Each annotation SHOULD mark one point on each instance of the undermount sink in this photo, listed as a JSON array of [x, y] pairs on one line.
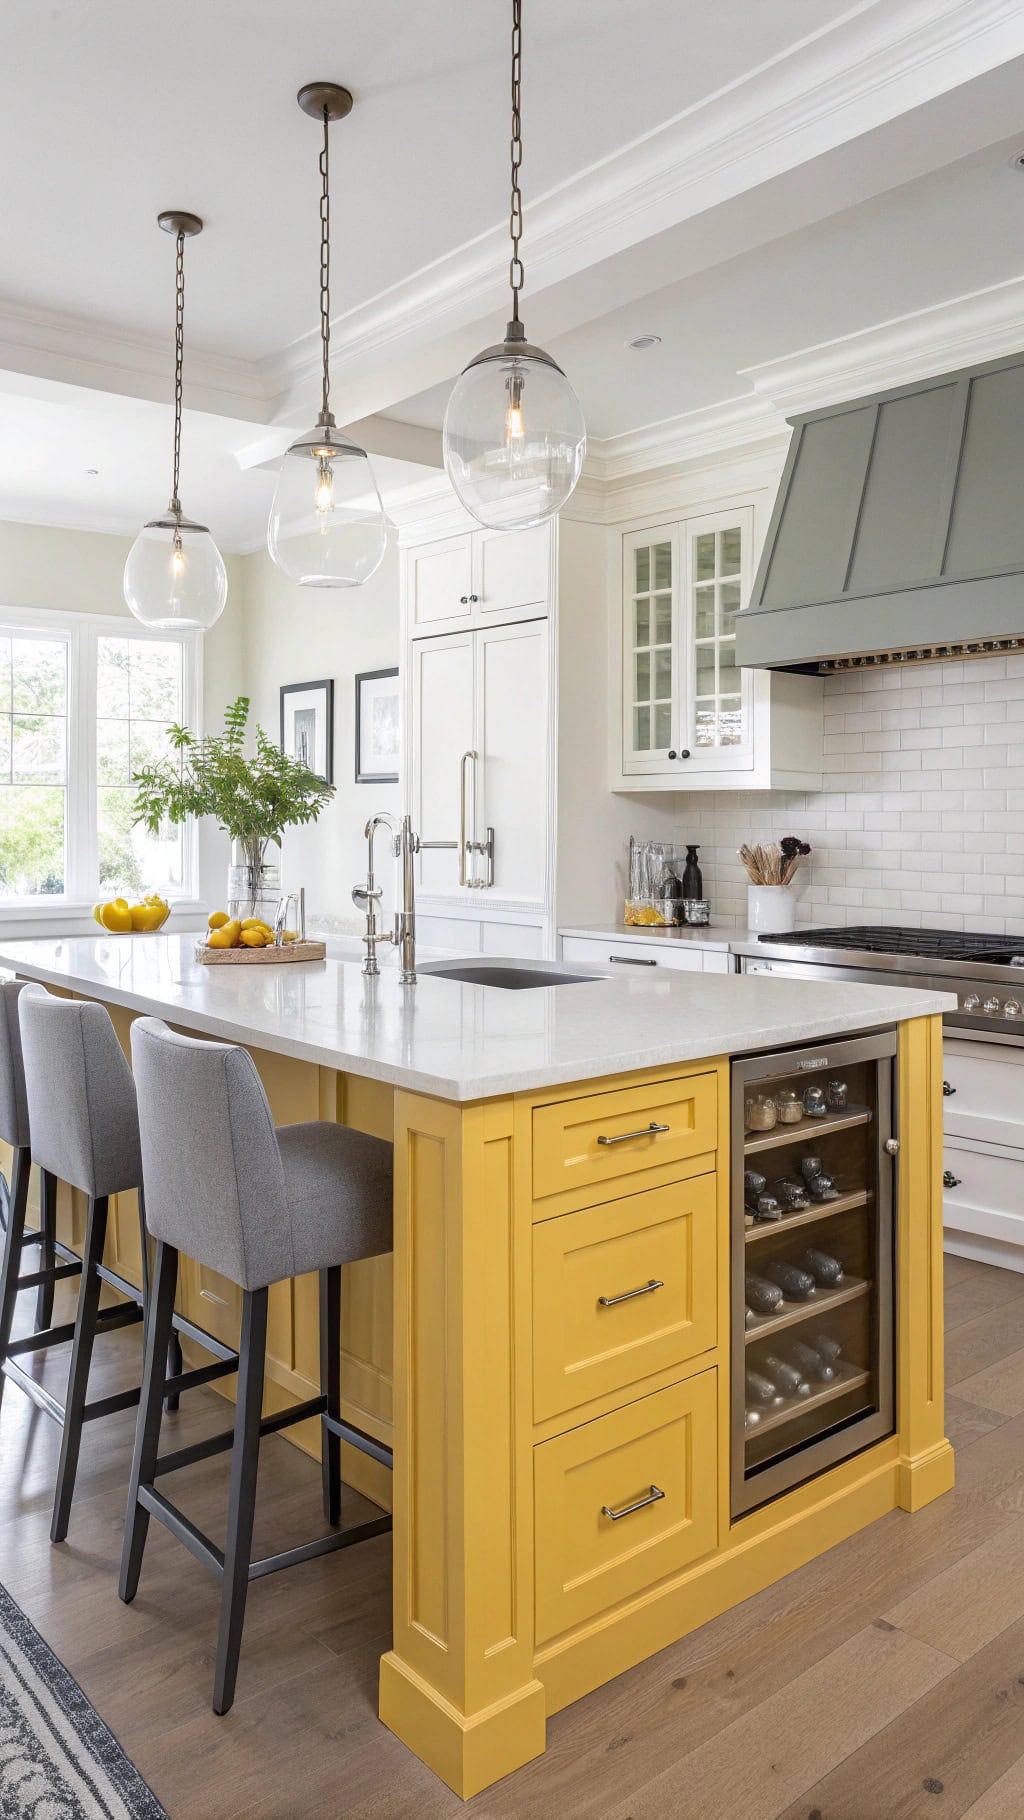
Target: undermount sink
[[510, 976]]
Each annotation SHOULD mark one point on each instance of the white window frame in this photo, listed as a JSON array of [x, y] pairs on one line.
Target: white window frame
[[82, 631]]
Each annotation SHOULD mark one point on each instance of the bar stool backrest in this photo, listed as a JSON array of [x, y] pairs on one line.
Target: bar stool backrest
[[212, 1168], [81, 1096], [13, 1100]]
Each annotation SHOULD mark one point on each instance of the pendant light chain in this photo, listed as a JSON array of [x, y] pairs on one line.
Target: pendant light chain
[[515, 220], [179, 355], [325, 269]]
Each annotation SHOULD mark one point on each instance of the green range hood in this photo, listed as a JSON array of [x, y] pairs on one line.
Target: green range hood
[[898, 532]]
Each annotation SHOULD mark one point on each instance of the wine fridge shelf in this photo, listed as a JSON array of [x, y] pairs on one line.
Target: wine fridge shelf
[[816, 1128], [821, 1210], [813, 1309], [848, 1377]]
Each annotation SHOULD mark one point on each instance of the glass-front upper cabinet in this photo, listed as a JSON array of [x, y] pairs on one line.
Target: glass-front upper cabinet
[[686, 706]]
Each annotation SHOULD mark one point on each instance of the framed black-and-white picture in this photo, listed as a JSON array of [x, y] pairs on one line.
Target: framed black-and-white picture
[[307, 725], [377, 727]]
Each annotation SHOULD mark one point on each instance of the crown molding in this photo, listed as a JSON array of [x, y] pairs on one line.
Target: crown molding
[[53, 348], [691, 437], [876, 62], [964, 331]]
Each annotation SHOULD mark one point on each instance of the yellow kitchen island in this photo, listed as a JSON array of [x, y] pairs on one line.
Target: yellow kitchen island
[[559, 1153]]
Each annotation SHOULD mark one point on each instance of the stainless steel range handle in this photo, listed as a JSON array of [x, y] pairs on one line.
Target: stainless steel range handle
[[464, 836], [626, 1510], [627, 1295], [650, 1130]]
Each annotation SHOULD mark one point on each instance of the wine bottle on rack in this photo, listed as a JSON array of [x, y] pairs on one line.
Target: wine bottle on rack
[[789, 1378], [761, 1390], [796, 1284], [762, 1296], [830, 1349], [791, 1196], [810, 1362], [820, 1184], [824, 1268]]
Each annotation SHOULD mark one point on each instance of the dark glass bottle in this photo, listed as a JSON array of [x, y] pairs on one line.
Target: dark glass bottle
[[693, 883]]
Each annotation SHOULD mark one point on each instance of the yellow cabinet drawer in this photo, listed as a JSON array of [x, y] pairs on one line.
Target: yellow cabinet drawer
[[602, 1137], [602, 1532], [621, 1291]]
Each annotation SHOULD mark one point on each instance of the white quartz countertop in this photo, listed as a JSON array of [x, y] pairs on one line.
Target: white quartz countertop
[[461, 1042], [715, 936]]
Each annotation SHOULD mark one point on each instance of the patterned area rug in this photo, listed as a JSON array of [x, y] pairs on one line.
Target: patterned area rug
[[58, 1761]]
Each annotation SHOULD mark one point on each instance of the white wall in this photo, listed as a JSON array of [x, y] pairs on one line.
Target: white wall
[[81, 572], [294, 634], [921, 819]]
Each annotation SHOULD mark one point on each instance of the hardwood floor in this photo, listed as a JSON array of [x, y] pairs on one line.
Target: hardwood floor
[[884, 1681]]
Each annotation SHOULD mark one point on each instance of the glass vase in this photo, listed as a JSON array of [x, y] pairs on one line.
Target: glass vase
[[254, 882]]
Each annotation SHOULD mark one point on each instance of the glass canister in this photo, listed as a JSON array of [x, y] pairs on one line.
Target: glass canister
[[837, 1095], [760, 1113], [789, 1105], [815, 1103]]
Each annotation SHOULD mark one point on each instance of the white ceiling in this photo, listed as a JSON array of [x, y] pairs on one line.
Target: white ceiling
[[744, 177], [141, 107]]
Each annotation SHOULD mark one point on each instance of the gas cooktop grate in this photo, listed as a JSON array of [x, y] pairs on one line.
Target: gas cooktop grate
[[925, 944]]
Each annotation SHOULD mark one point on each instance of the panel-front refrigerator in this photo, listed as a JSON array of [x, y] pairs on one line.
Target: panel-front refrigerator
[[814, 1154]]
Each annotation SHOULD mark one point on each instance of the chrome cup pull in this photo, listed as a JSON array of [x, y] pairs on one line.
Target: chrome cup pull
[[626, 1510], [648, 1288], [651, 1130]]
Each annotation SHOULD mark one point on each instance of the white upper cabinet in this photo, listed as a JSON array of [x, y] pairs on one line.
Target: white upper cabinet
[[478, 578], [689, 718]]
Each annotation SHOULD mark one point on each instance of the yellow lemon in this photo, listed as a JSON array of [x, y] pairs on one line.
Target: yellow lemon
[[116, 917], [253, 938], [219, 938], [149, 917], [217, 919], [289, 935], [97, 914], [255, 922], [232, 929]]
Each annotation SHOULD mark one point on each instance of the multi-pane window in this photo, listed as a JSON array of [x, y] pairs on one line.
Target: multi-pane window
[[652, 653], [83, 703], [33, 765], [717, 561], [138, 697]]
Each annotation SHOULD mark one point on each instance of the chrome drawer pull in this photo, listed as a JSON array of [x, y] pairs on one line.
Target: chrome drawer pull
[[627, 1509], [949, 1180], [947, 1090], [650, 1130], [609, 1301], [632, 960]]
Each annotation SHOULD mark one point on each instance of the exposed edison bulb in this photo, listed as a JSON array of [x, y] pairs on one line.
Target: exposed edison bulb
[[177, 556], [325, 486], [515, 428]]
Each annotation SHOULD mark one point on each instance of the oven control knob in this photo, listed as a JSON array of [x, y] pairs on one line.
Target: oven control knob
[[971, 1002], [1012, 1008], [992, 1005]]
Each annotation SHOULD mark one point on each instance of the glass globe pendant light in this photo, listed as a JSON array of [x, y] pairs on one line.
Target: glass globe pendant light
[[327, 527], [175, 579], [514, 435]]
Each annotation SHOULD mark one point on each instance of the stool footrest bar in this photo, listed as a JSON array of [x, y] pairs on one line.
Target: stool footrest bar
[[219, 1348], [325, 1545], [357, 1437], [119, 1314], [47, 1336], [52, 1275], [40, 1397], [285, 1418], [175, 1520], [203, 1374], [197, 1450], [131, 1290], [109, 1406]]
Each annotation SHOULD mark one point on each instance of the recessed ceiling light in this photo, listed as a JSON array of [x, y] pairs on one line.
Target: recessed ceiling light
[[92, 470], [644, 341], [1017, 161]]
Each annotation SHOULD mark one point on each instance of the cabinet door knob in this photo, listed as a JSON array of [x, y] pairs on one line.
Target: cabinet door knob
[[474, 597], [947, 1090], [463, 600], [672, 753], [684, 753], [949, 1180]]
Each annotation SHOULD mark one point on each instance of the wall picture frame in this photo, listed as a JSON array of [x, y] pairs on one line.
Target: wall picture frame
[[378, 727], [307, 725]]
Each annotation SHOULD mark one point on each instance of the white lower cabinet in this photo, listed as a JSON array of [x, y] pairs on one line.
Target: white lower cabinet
[[983, 1154], [593, 951]]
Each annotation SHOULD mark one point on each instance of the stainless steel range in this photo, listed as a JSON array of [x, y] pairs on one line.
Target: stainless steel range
[[985, 971]]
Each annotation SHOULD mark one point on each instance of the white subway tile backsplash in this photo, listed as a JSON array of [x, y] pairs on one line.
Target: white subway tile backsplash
[[920, 820]]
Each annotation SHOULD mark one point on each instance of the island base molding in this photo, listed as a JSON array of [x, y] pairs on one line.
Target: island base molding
[[469, 1752]]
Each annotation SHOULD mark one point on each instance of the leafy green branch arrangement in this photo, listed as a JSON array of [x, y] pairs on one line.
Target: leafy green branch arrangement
[[252, 797]]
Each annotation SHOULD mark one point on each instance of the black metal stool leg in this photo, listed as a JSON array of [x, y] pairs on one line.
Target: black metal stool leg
[[81, 1357], [245, 1458], [330, 1387], [10, 1268], [47, 1255], [174, 1358], [147, 1433]]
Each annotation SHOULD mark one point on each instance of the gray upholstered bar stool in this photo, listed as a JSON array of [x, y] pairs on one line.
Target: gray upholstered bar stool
[[14, 1130], [259, 1206], [84, 1130]]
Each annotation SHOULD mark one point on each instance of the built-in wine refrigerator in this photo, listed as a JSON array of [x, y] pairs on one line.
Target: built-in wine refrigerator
[[814, 1156]]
